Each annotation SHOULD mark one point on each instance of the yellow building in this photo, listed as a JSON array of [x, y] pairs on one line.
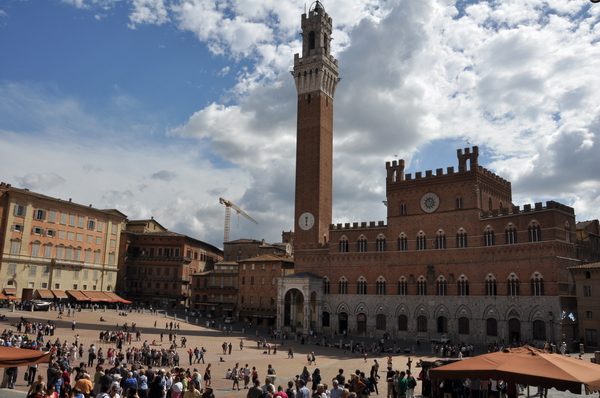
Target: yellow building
[[52, 248]]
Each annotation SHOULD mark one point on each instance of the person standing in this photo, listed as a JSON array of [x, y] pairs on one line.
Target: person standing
[[235, 376], [192, 392], [246, 376], [31, 374], [336, 391], [412, 383], [85, 385], [12, 374], [91, 356], [402, 385], [255, 391], [303, 391], [389, 377]]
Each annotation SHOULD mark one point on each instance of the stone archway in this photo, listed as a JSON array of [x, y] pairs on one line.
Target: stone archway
[[514, 329], [343, 322], [293, 309]]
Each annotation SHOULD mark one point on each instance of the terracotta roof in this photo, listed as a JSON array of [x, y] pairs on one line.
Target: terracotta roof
[[27, 192], [245, 240], [266, 257], [583, 224], [586, 266]]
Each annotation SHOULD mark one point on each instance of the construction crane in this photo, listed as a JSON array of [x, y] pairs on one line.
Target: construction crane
[[228, 207]]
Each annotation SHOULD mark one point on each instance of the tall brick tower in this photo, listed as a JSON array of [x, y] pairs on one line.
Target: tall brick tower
[[316, 76]]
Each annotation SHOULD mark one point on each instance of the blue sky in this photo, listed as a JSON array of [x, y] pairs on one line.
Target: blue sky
[[159, 107]]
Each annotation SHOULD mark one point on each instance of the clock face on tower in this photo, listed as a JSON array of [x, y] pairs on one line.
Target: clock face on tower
[[306, 221], [430, 202]]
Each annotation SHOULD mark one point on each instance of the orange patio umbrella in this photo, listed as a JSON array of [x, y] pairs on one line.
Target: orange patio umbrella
[[526, 365], [10, 356]]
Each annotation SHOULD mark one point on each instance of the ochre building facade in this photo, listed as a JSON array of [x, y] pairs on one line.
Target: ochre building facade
[[54, 249]]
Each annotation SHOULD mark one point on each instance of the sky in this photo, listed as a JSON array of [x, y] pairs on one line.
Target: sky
[[159, 107]]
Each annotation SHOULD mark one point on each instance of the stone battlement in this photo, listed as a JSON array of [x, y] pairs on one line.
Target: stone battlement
[[538, 206], [467, 161], [356, 225]]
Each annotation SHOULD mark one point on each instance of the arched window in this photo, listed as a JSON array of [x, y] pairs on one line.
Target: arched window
[[402, 242], [380, 322], [343, 285], [402, 323], [421, 323], [402, 286], [463, 325], [539, 330], [442, 324], [441, 286], [491, 286], [463, 286], [361, 286], [513, 285], [535, 232], [326, 286], [421, 241], [380, 243], [325, 319], [362, 244], [422, 286], [380, 286], [567, 232], [311, 40], [343, 245], [440, 240], [511, 234], [459, 202], [488, 236], [537, 285], [490, 207], [491, 327], [461, 238]]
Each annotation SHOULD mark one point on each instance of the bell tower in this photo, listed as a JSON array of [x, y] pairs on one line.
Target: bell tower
[[316, 77]]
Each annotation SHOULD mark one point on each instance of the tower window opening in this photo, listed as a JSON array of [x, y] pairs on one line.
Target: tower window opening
[[311, 40]]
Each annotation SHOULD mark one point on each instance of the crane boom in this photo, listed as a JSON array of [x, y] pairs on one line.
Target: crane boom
[[228, 207]]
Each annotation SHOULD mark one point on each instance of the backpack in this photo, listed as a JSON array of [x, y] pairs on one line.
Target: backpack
[[264, 395], [412, 383]]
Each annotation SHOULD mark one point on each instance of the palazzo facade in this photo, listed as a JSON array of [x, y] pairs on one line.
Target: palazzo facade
[[454, 255]]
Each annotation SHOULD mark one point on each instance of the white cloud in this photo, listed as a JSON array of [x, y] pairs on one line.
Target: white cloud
[[224, 71], [43, 181], [148, 12], [517, 78]]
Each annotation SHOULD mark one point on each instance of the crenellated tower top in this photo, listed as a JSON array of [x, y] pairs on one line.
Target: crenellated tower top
[[316, 70]]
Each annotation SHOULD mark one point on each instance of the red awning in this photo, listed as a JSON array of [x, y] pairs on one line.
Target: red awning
[[45, 294], [96, 296], [3, 297], [115, 298], [77, 295], [10, 290], [60, 294]]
